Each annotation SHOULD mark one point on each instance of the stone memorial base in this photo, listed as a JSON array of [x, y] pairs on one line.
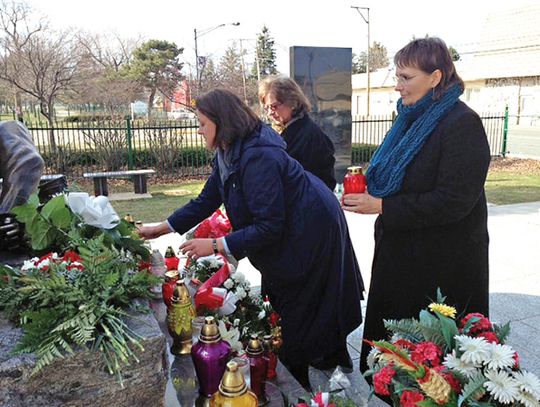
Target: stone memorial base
[[81, 379]]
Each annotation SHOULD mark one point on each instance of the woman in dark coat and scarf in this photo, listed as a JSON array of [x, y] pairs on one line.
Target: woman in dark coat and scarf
[[288, 107], [426, 182], [286, 221]]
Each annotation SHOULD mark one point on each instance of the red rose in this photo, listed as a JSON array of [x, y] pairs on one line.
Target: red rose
[[382, 379], [274, 318], [427, 352], [410, 398]]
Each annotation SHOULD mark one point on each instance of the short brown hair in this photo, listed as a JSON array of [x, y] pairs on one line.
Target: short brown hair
[[286, 91], [233, 118], [429, 54]]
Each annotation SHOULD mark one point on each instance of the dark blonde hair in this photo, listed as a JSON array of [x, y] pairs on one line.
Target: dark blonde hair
[[429, 54], [233, 118], [285, 91]]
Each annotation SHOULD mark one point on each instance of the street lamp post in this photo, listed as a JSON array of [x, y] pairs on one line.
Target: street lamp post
[[366, 20], [196, 35]]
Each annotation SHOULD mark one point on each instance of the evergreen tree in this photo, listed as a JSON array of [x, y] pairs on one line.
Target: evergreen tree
[[265, 55], [156, 66]]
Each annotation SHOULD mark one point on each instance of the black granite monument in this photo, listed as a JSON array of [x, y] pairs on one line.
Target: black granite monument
[[324, 74]]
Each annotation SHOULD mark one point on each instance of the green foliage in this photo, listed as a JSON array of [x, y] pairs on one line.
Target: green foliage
[[472, 389], [61, 308], [378, 58], [362, 153], [54, 227], [265, 55], [407, 328]]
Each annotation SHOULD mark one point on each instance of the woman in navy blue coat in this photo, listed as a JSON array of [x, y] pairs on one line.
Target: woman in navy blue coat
[[286, 221]]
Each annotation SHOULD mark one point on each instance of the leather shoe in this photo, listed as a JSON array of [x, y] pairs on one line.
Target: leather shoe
[[341, 358]]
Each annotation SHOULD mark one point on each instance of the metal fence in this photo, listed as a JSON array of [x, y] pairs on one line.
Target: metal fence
[[175, 149], [368, 133]]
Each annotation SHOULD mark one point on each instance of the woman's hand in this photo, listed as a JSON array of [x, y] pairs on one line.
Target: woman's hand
[[197, 248], [362, 203], [153, 232]]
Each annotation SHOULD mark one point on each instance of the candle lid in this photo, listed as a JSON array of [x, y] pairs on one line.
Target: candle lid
[[354, 170], [233, 383], [180, 293], [254, 346], [209, 331], [169, 252]]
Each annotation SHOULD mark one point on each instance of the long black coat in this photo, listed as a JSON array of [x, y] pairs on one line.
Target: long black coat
[[311, 147], [433, 232], [292, 229]]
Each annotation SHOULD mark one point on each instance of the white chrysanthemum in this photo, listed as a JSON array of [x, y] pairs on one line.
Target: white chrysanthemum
[[475, 350], [501, 356], [528, 382], [238, 277], [241, 293], [501, 386], [452, 362], [372, 357], [261, 315], [527, 399], [228, 284]]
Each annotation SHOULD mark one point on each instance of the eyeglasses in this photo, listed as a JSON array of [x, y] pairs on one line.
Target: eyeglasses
[[272, 107], [404, 79]]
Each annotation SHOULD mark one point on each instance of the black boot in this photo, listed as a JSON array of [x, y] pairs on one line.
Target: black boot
[[340, 357]]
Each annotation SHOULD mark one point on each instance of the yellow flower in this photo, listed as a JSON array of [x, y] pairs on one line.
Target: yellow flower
[[443, 309]]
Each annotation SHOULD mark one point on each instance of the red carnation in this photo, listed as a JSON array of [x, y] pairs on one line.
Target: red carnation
[[144, 265], [410, 398], [427, 352], [489, 336], [483, 324], [382, 379]]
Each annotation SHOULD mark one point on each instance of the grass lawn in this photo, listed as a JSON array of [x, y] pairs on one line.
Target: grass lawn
[[509, 181], [512, 180]]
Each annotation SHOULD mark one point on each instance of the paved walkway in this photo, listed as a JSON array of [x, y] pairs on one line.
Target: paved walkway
[[514, 282]]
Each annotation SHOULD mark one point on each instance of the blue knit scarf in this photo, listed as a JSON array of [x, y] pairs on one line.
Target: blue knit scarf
[[404, 140]]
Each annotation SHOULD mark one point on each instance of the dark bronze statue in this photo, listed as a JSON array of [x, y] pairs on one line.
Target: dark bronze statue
[[20, 168]]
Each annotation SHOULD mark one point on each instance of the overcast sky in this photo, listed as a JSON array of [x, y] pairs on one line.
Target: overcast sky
[[291, 22]]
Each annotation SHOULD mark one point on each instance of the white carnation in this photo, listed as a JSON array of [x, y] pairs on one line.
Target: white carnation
[[228, 284], [29, 264], [238, 277], [241, 293]]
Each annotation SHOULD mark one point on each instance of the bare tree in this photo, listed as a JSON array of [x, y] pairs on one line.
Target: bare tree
[[101, 79], [16, 28], [39, 62]]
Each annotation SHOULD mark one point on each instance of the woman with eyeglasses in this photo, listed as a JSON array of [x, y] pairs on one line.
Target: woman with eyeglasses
[[288, 107], [426, 182], [286, 221]]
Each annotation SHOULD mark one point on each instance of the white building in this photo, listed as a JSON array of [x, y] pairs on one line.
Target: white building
[[504, 69]]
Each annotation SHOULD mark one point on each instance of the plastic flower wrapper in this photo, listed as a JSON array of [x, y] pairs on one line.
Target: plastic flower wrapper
[[95, 211], [338, 381], [216, 225]]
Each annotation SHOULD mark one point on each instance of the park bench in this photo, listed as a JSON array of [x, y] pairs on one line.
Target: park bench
[[100, 180]]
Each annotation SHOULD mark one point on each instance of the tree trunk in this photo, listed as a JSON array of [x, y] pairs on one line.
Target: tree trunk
[[18, 106], [151, 102]]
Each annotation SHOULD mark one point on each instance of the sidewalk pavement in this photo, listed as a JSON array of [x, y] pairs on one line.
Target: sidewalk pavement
[[514, 283]]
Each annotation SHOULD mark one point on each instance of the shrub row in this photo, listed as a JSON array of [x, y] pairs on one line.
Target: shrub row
[[189, 156]]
